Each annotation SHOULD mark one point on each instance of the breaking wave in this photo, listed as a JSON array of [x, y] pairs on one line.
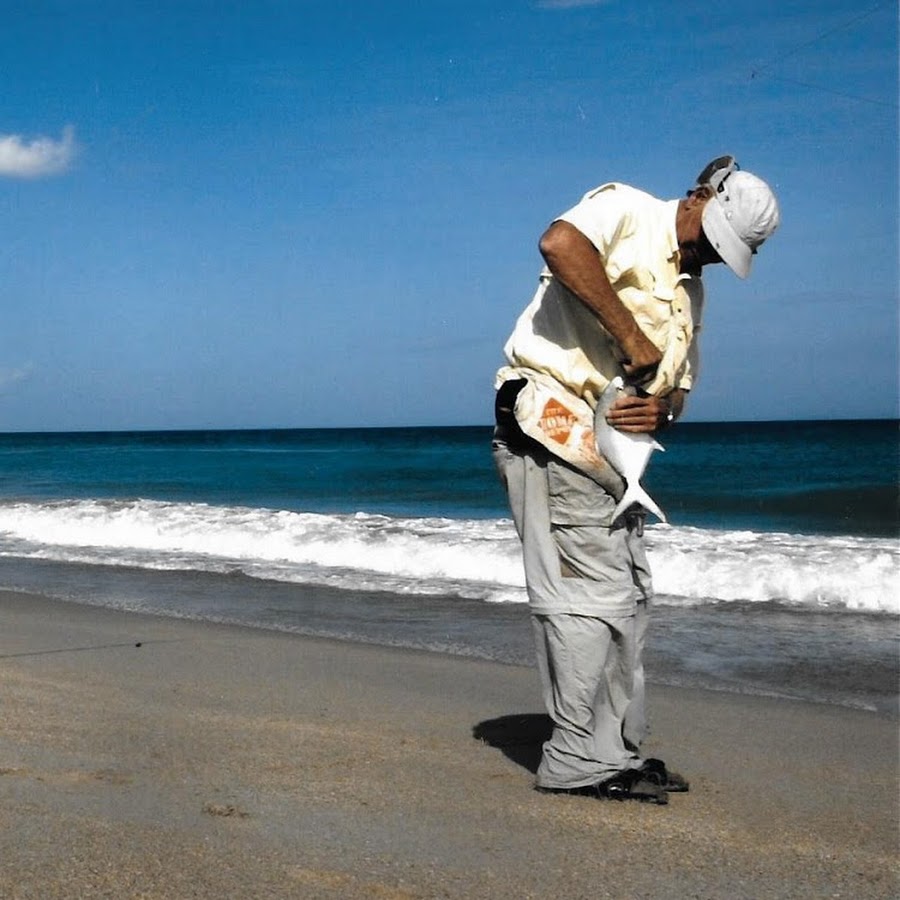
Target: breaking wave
[[475, 559]]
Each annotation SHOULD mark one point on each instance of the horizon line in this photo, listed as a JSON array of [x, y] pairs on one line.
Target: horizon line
[[252, 428]]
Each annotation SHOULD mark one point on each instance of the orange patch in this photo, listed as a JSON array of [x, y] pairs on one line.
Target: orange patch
[[556, 421]]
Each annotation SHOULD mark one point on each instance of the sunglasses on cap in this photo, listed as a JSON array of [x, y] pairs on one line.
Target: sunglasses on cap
[[716, 173]]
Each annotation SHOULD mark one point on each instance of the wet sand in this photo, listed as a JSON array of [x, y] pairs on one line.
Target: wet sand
[[158, 758]]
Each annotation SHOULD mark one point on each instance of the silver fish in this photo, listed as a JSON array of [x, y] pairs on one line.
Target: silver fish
[[626, 453]]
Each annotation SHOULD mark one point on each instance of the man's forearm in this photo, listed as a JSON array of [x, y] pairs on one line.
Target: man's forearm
[[574, 260], [676, 400]]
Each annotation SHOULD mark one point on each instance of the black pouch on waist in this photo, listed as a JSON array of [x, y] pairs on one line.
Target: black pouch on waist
[[508, 429]]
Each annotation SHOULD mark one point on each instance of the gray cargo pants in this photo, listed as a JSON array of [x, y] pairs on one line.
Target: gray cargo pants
[[588, 585]]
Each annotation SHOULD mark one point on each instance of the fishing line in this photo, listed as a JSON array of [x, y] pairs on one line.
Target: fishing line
[[83, 649], [844, 94], [849, 23]]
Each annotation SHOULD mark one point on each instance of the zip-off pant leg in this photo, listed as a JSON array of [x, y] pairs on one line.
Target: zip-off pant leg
[[587, 668]]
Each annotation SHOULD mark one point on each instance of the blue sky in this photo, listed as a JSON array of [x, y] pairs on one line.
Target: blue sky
[[303, 214]]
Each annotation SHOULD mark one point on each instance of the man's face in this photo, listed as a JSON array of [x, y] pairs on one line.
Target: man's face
[[696, 250]]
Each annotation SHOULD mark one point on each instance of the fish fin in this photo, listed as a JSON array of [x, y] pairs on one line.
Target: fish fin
[[638, 495]]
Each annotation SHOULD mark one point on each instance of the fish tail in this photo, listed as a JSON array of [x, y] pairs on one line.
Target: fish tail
[[637, 495]]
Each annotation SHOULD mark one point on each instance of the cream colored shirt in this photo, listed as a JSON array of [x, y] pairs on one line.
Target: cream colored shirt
[[558, 336]]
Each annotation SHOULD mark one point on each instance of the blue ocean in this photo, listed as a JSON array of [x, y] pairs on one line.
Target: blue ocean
[[777, 573]]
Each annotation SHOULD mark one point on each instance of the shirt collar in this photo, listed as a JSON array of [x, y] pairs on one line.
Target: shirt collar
[[672, 239], [671, 233]]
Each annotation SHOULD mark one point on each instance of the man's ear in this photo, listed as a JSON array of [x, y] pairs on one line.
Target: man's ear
[[701, 193]]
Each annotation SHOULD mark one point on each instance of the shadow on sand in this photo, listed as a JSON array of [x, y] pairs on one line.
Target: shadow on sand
[[518, 737]]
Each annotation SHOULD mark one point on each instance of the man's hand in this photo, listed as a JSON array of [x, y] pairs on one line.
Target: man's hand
[[641, 360], [644, 415]]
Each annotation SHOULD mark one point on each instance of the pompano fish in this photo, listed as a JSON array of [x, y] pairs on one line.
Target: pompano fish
[[626, 453]]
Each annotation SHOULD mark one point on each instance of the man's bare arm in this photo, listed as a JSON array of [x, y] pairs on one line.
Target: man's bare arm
[[574, 260]]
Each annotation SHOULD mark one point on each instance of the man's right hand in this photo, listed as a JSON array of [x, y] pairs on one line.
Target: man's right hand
[[641, 360]]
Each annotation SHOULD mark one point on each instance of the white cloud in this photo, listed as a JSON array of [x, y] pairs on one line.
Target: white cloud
[[9, 377], [571, 4], [37, 158]]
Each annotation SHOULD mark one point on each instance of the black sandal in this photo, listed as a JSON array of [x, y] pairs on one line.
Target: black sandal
[[655, 770], [632, 784]]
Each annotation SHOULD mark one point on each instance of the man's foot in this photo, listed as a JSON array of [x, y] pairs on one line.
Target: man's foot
[[630, 784], [655, 770]]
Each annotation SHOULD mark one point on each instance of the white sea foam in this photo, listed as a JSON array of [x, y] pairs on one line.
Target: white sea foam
[[477, 559]]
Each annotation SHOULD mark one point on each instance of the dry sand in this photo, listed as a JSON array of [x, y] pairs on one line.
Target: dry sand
[[150, 757]]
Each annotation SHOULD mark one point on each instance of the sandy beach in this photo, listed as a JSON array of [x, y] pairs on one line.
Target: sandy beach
[[160, 758]]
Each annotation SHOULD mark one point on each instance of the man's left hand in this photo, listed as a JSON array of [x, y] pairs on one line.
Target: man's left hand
[[639, 415]]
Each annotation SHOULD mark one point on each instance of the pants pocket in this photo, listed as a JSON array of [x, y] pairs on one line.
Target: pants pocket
[[575, 499]]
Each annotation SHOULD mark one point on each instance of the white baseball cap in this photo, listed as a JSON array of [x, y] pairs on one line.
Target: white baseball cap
[[742, 213]]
